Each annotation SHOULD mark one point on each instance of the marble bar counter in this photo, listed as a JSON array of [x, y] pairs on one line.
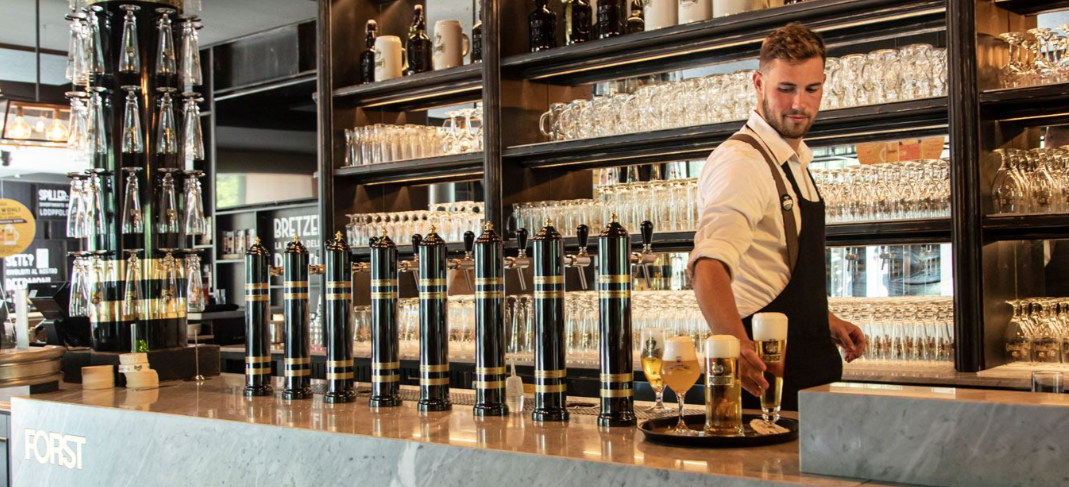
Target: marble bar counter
[[186, 433]]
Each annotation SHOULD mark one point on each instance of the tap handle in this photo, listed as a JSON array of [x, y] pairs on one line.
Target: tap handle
[[372, 241], [647, 233], [469, 241], [582, 232], [416, 240], [521, 239]]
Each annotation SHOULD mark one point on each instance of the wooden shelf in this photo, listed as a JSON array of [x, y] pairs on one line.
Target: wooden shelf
[[458, 166], [1033, 105], [424, 90], [848, 125], [1025, 227], [1030, 7], [735, 37], [888, 232]]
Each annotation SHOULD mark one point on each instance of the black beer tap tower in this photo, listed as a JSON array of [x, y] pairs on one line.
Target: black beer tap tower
[[433, 325], [257, 314], [385, 343], [339, 336], [614, 324], [298, 360], [489, 381], [550, 370]]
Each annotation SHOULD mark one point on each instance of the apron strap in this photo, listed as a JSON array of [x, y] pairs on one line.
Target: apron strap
[[790, 226]]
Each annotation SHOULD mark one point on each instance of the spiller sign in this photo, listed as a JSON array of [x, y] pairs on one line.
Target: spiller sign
[[49, 448]]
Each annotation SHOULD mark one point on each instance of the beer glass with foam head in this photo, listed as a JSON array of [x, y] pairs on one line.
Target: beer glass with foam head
[[723, 387], [770, 339], [679, 371]]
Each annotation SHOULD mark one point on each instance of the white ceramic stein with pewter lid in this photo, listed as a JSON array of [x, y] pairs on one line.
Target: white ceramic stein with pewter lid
[[661, 13], [450, 44], [389, 58]]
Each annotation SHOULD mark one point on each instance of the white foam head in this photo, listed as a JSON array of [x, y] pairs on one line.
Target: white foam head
[[769, 326], [722, 346], [679, 349]]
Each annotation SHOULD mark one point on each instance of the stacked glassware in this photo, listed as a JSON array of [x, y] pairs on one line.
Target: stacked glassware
[[381, 143], [890, 191], [917, 330], [450, 220], [1031, 181]]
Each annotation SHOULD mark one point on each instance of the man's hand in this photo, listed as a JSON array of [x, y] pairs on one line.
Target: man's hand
[[848, 336], [751, 368]]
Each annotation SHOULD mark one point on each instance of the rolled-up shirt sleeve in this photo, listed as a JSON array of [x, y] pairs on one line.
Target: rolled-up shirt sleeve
[[732, 199]]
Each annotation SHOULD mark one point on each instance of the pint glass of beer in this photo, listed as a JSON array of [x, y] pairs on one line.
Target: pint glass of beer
[[723, 387], [770, 339]]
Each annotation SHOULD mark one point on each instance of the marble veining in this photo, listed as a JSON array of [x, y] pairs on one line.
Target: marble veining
[[935, 436], [209, 433]]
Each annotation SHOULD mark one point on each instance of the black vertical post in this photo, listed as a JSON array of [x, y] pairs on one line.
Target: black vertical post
[[385, 342], [325, 126], [489, 381], [966, 207], [433, 325], [339, 330], [614, 325], [492, 163], [298, 359], [257, 314], [551, 373]]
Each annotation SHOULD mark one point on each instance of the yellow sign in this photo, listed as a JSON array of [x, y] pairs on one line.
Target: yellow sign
[[17, 227]]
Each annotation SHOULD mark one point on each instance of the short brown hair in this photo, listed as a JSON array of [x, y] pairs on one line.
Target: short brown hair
[[794, 43]]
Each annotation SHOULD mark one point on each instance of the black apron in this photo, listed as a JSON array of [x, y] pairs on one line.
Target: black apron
[[812, 357]]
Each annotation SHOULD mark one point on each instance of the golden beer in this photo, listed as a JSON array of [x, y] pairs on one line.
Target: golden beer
[[680, 375], [651, 366], [770, 343], [723, 387], [680, 370]]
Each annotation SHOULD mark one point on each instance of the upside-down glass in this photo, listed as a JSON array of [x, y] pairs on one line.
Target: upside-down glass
[[680, 370], [876, 192], [130, 54], [97, 127], [192, 135], [99, 218], [167, 211], [79, 300], [76, 209], [195, 223], [78, 137], [190, 72], [917, 330], [167, 131], [133, 140], [133, 221], [97, 62], [194, 284], [166, 61], [132, 297]]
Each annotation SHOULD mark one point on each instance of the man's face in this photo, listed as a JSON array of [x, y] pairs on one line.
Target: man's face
[[789, 95]]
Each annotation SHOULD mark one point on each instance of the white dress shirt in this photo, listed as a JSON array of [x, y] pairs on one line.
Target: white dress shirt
[[741, 220]]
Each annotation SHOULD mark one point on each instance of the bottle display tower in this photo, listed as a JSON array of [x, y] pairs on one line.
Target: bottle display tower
[[135, 70]]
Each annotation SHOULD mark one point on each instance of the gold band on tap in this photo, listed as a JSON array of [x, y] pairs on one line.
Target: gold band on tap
[[489, 370], [257, 286], [617, 392], [551, 388], [169, 3], [549, 294], [257, 371], [339, 284], [624, 377], [615, 294], [434, 368], [551, 374], [385, 365], [385, 379], [549, 280], [340, 363], [337, 297], [339, 375], [432, 282], [299, 361], [435, 295], [384, 282], [291, 296], [257, 297], [295, 284], [258, 360], [495, 384], [434, 382], [488, 281], [614, 279], [297, 373]]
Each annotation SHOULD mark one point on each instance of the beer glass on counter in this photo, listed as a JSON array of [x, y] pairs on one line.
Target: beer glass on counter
[[723, 387], [770, 340], [652, 353], [679, 371]]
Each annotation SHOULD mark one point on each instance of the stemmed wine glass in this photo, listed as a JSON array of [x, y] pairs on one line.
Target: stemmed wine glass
[[652, 353], [680, 370]]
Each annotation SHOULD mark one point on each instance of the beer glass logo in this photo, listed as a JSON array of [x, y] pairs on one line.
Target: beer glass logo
[[379, 61], [438, 45], [718, 369]]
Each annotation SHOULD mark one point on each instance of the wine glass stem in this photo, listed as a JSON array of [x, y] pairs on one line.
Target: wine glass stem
[[660, 399], [681, 425]]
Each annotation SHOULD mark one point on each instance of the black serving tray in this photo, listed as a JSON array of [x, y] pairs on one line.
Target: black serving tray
[[656, 430]]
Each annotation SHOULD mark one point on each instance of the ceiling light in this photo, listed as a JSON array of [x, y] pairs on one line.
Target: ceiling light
[[19, 129]]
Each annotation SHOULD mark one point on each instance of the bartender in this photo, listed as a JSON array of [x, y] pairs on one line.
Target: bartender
[[759, 246]]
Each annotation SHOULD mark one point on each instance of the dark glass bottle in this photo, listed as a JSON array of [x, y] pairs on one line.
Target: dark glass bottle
[[367, 57], [580, 18], [543, 27], [419, 45], [635, 21], [477, 39], [609, 19]]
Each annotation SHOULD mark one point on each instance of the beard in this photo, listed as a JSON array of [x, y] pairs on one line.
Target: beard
[[786, 128]]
